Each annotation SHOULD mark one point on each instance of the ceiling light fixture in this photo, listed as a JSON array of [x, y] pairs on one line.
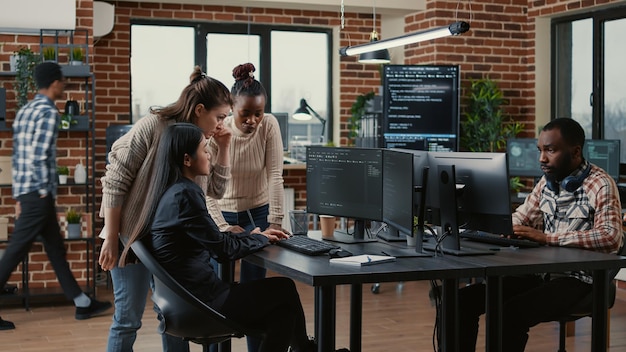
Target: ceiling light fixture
[[378, 56], [455, 28]]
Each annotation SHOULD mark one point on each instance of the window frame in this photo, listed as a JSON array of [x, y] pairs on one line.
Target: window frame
[[598, 17], [202, 29]]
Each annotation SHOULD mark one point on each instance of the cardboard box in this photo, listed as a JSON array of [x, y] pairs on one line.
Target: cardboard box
[[5, 170]]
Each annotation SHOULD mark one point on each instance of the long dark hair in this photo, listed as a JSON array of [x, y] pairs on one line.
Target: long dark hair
[[176, 141], [202, 89]]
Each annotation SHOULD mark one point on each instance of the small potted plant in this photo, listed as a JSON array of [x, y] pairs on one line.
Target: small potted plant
[[63, 172], [77, 56], [49, 53], [23, 62], [73, 223]]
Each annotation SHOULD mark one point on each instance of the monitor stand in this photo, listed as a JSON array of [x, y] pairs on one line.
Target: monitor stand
[[392, 236], [451, 243], [358, 235]]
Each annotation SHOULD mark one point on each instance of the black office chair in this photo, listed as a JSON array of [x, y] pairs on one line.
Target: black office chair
[[184, 315], [584, 307]]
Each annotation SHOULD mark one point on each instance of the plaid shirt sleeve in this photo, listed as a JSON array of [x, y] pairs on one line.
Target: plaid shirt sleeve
[[529, 213], [43, 142]]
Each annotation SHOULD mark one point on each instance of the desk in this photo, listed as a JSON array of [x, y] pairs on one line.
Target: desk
[[547, 259], [317, 271]]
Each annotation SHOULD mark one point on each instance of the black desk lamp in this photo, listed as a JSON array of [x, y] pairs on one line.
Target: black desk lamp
[[303, 113]]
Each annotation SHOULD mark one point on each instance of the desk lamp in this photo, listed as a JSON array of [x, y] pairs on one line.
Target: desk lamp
[[303, 113]]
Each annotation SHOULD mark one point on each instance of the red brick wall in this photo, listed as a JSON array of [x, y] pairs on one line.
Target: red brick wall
[[70, 151], [499, 45]]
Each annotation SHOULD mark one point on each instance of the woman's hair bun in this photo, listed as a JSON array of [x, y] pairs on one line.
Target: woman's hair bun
[[244, 72]]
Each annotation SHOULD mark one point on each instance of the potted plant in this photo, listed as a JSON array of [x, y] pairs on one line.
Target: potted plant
[[76, 56], [67, 121], [356, 114], [486, 128], [25, 61], [73, 223], [49, 53], [63, 172]]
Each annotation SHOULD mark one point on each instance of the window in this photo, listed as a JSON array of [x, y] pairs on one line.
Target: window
[[292, 63], [589, 73], [160, 64]]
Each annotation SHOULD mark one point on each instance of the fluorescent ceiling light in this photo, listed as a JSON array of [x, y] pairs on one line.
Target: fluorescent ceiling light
[[455, 28]]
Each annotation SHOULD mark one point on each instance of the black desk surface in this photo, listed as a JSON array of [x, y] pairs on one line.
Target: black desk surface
[[318, 271], [545, 259]]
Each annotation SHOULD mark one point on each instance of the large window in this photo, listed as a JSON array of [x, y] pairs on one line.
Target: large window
[[590, 73], [293, 63]]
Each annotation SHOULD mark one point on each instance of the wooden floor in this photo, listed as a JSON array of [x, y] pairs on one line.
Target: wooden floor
[[399, 320]]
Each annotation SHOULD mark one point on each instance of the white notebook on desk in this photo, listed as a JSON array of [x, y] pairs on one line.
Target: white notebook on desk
[[364, 259]]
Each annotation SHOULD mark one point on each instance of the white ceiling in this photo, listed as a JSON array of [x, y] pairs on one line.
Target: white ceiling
[[397, 7]]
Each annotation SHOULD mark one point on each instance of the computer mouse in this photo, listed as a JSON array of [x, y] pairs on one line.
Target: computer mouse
[[339, 253]]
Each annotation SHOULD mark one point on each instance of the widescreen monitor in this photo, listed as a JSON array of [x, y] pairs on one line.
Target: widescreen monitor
[[421, 107], [478, 197], [523, 157], [604, 153], [398, 191], [345, 182]]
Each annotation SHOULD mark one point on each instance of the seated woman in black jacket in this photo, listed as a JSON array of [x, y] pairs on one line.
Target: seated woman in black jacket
[[183, 237]]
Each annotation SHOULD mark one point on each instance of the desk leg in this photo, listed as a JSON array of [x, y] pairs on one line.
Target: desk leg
[[356, 317], [599, 313], [325, 318], [493, 314], [449, 312]]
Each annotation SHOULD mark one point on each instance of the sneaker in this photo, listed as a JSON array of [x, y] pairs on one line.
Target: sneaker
[[95, 308], [6, 325]]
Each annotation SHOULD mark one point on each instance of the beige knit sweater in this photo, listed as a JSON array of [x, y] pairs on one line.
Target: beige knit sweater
[[256, 172], [127, 176]]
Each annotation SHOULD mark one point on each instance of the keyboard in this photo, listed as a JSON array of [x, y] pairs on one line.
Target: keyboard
[[490, 238], [307, 245]]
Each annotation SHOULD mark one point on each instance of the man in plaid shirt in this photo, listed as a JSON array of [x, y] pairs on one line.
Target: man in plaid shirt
[[35, 131], [575, 204]]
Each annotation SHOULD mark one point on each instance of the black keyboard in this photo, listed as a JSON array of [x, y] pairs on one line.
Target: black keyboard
[[307, 245], [486, 237]]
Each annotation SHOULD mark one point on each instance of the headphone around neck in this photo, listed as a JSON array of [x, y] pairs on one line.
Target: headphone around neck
[[570, 183]]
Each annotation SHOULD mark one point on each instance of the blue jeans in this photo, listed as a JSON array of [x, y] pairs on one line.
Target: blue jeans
[[130, 288]]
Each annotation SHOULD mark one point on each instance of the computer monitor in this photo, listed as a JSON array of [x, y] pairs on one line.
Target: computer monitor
[[398, 197], [604, 153], [405, 175], [468, 190], [345, 182], [283, 123], [523, 157], [421, 107]]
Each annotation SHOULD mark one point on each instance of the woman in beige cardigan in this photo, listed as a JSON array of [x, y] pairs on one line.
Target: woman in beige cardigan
[[205, 102], [254, 196]]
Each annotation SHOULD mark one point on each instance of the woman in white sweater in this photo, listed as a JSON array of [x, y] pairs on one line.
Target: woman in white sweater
[[254, 195]]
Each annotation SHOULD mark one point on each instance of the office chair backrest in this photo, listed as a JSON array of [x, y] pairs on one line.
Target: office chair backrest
[[183, 314]]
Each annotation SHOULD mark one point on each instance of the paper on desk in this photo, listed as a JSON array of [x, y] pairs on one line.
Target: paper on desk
[[364, 259]]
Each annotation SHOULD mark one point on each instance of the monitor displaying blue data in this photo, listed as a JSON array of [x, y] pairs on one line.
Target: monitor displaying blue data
[[604, 153], [523, 157]]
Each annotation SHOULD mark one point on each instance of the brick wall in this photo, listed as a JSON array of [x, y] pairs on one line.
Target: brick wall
[[499, 45], [70, 151]]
